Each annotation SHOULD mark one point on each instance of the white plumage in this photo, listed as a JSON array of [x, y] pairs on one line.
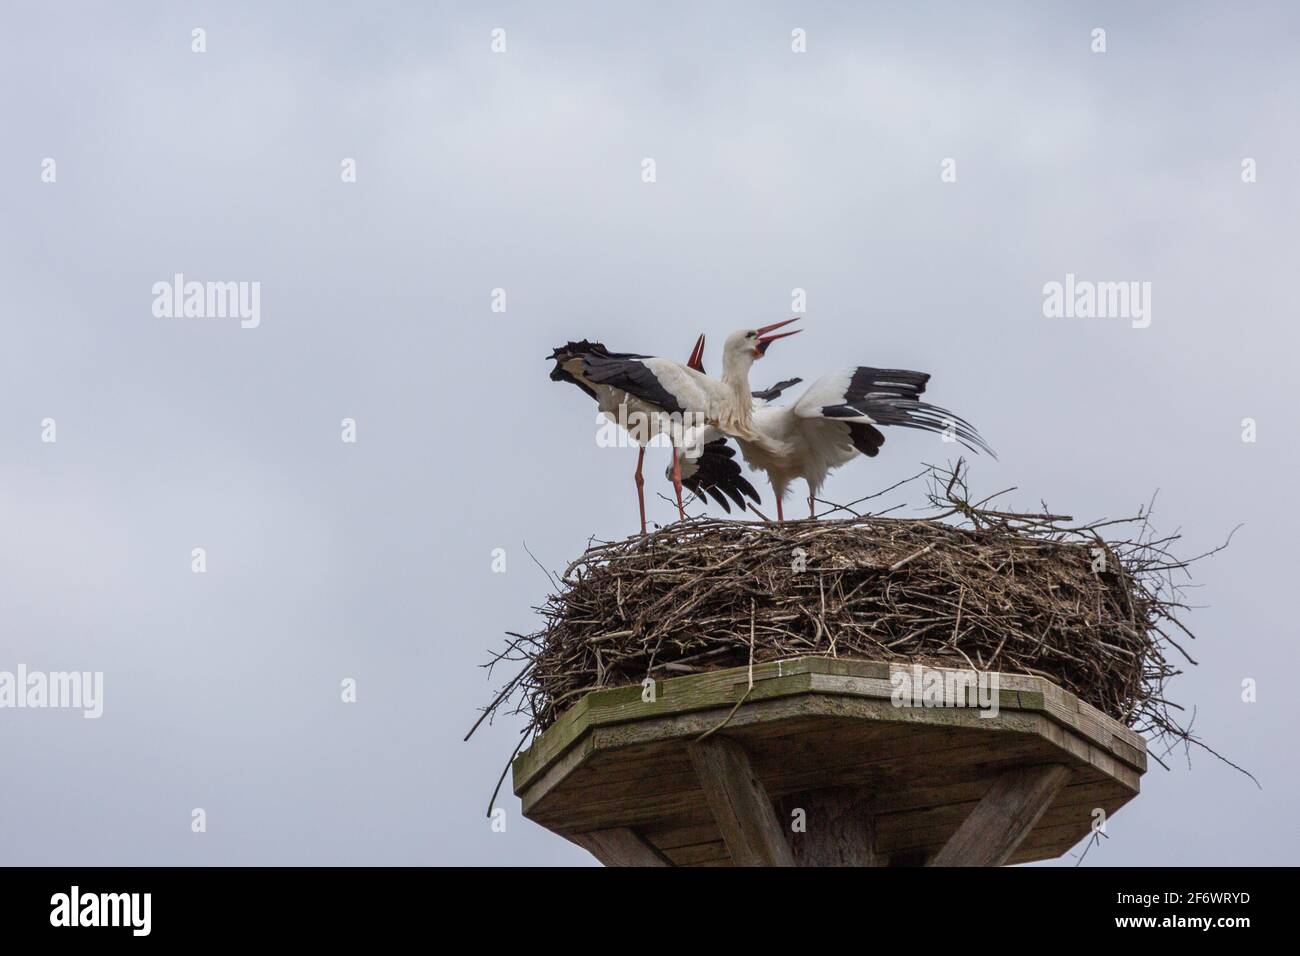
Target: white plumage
[[833, 421], [645, 411]]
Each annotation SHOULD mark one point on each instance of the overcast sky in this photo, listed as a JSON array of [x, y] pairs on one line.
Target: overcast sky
[[522, 171]]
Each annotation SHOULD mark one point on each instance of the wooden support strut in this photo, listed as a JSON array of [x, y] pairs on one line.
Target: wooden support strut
[[619, 846], [1004, 817], [740, 805], [840, 827]]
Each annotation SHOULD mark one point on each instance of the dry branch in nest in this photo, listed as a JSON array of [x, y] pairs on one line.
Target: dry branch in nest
[[1093, 607]]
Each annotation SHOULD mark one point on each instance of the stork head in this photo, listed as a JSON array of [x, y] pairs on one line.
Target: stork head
[[744, 347]]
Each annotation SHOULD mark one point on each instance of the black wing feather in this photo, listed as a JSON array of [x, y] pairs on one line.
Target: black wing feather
[[866, 438], [716, 470], [571, 350], [631, 376], [770, 394], [891, 396]]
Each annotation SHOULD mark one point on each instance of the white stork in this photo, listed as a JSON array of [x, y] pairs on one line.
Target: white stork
[[716, 471], [832, 422], [665, 392]]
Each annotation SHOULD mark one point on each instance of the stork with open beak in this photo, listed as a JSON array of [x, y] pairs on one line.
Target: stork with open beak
[[716, 472], [834, 420], [677, 396]]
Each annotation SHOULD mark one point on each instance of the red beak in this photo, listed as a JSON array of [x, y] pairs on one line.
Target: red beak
[[696, 361], [764, 340]]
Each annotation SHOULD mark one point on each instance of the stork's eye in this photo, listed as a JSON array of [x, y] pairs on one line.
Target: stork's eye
[[751, 335]]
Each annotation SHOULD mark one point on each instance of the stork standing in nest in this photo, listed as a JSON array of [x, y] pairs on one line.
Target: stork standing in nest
[[831, 423], [647, 412]]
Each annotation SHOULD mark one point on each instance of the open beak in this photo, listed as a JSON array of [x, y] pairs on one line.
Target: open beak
[[764, 339], [696, 361]]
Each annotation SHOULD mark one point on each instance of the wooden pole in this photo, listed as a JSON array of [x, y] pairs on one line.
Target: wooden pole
[[1004, 817], [739, 803], [840, 828]]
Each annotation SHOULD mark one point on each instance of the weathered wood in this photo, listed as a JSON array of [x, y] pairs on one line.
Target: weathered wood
[[616, 761], [891, 840], [1003, 817], [844, 752], [839, 828], [739, 803], [700, 854], [842, 678], [621, 846]]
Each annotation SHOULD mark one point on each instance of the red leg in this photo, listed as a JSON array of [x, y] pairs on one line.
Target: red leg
[[780, 513], [677, 484], [812, 505], [640, 486]]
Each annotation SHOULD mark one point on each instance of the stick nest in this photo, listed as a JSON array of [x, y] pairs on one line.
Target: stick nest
[[1092, 607]]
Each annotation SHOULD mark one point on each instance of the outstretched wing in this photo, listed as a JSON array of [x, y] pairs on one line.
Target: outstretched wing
[[862, 398]]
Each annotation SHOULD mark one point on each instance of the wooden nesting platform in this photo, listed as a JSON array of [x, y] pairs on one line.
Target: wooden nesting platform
[[669, 783]]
